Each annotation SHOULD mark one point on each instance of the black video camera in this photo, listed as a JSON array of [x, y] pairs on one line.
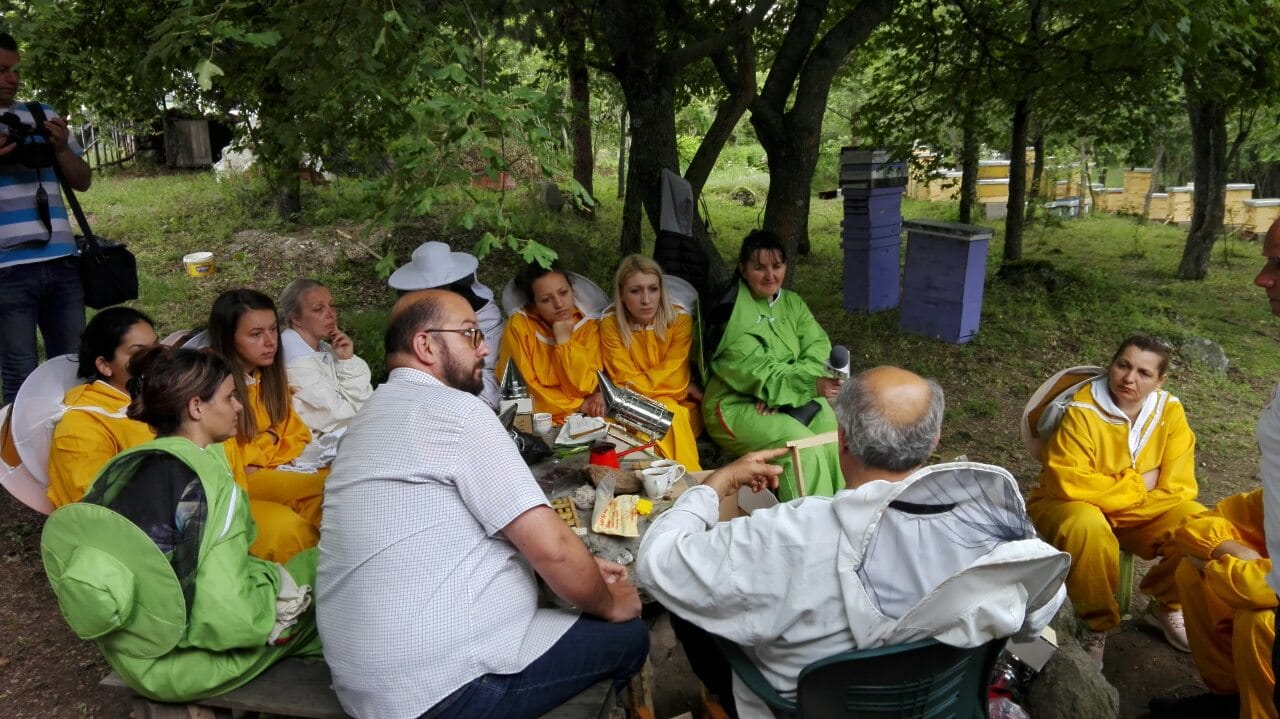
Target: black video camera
[[34, 146]]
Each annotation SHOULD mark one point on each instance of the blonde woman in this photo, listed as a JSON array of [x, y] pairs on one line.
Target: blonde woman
[[645, 340]]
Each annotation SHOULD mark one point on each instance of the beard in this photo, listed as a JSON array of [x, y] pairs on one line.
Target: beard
[[458, 376]]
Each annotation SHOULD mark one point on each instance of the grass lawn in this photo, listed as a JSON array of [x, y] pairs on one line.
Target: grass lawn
[[1113, 279]]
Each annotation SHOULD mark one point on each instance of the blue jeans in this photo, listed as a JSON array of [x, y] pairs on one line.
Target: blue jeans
[[47, 295], [590, 651]]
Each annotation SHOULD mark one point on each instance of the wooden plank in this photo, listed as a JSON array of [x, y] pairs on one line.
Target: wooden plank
[[292, 687], [297, 688], [814, 441]]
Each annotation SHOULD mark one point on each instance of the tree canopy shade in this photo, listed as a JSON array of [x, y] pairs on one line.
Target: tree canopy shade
[[1224, 54], [787, 114]]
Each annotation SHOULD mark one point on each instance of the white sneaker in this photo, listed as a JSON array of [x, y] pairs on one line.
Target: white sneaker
[[1172, 624], [1094, 644]]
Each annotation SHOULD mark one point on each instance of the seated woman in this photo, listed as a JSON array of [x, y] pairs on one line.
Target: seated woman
[[645, 341], [1119, 473], [555, 344], [329, 382], [768, 381], [243, 331], [179, 609], [94, 428], [1230, 611]]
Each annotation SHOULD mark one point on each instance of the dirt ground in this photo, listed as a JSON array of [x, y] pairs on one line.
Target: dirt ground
[[46, 672]]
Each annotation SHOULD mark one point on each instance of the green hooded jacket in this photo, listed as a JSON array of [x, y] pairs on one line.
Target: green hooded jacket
[[122, 597]]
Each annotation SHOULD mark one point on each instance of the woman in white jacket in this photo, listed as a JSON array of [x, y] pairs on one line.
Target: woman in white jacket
[[329, 382]]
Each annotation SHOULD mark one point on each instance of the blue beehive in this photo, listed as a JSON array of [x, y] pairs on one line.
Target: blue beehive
[[872, 187], [943, 278]]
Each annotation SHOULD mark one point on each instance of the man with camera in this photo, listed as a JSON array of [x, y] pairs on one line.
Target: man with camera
[[39, 276]]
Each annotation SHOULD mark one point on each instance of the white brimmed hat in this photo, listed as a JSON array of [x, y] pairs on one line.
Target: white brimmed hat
[[37, 409], [586, 294], [433, 265]]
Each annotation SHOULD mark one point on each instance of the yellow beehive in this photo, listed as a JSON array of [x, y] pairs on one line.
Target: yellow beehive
[[993, 169], [1159, 210], [946, 187], [993, 190], [1260, 214], [917, 184], [1237, 193], [1180, 203], [1137, 182], [1110, 199]]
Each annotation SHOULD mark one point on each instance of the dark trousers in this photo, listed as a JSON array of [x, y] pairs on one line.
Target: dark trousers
[[45, 295], [1275, 664], [708, 663], [592, 650]]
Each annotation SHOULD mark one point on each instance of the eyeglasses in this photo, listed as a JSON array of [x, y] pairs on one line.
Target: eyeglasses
[[472, 333]]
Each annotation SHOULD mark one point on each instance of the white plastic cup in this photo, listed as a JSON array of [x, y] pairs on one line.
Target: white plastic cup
[[541, 422]]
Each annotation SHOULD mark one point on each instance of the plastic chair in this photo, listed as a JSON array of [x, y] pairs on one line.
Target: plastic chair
[[924, 679], [1032, 426]]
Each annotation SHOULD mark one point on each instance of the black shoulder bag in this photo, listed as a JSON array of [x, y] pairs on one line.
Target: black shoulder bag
[[108, 270]]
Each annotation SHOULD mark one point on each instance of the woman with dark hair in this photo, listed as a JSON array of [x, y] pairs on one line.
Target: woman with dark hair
[[153, 564], [1120, 474], [769, 384], [93, 427], [243, 330], [555, 343]]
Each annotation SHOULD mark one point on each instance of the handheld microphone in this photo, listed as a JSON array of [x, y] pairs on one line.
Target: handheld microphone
[[838, 363]]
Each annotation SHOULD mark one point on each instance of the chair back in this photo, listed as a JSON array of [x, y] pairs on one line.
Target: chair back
[[925, 679], [1043, 412]]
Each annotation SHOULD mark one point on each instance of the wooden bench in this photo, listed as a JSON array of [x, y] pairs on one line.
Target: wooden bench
[[300, 688]]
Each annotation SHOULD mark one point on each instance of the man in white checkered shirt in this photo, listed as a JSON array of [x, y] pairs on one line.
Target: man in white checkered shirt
[[433, 530]]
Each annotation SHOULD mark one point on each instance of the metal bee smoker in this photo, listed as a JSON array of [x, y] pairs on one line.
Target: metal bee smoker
[[515, 394], [643, 417]]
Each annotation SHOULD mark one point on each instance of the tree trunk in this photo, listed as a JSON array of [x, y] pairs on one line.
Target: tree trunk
[[1157, 165], [1015, 215], [622, 154], [792, 162], [650, 94], [1036, 192], [580, 115], [800, 79], [1209, 160], [1086, 187], [968, 164]]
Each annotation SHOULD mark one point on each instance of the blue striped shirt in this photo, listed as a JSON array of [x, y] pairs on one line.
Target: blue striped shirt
[[19, 220]]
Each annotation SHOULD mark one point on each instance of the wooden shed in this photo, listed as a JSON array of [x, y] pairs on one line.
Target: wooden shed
[[186, 143]]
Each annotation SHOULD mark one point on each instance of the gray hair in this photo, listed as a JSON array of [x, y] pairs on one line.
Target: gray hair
[[291, 299], [875, 439]]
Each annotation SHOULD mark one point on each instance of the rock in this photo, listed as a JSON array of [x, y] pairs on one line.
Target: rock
[[624, 481], [1071, 687], [550, 196], [1206, 352], [584, 497]]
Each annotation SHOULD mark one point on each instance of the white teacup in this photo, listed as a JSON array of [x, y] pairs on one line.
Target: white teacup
[[660, 476]]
